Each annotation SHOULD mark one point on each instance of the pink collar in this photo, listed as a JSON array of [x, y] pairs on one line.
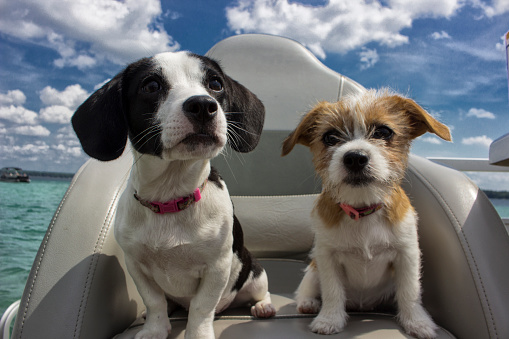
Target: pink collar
[[172, 206], [357, 213]]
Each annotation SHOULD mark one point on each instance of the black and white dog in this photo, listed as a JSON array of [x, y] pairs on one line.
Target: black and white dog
[[175, 222]]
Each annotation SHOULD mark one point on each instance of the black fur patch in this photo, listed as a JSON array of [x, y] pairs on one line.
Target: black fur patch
[[141, 107], [249, 263], [215, 178]]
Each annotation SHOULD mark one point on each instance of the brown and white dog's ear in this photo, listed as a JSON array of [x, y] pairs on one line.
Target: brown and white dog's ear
[[100, 124], [304, 131], [422, 121], [245, 114]]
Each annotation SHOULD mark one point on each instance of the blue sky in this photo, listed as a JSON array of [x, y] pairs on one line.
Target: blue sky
[[446, 54]]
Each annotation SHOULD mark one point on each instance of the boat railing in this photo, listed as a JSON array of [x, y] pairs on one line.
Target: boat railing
[[473, 165], [7, 320]]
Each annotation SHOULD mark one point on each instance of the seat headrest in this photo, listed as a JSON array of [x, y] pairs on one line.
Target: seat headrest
[[289, 80]]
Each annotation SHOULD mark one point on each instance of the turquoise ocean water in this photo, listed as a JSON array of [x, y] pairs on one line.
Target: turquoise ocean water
[[25, 213]]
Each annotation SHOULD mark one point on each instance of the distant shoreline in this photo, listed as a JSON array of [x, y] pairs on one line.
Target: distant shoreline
[[49, 175], [496, 194]]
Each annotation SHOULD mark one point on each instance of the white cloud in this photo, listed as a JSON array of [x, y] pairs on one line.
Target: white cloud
[[85, 32], [25, 150], [480, 113], [38, 131], [72, 151], [488, 53], [18, 115], [80, 61], [480, 140], [66, 132], [500, 46], [56, 114], [338, 26], [498, 7], [431, 140], [369, 57], [440, 35], [172, 15], [428, 8], [71, 97], [61, 104], [14, 97]]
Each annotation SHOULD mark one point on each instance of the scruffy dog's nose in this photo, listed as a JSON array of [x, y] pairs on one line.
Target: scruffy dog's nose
[[355, 160], [200, 108]]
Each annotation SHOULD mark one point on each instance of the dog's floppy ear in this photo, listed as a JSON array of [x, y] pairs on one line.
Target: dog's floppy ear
[[422, 121], [246, 115], [99, 122], [304, 131]]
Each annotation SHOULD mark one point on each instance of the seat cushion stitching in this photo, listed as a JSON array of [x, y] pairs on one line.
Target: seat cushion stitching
[[43, 249], [93, 262]]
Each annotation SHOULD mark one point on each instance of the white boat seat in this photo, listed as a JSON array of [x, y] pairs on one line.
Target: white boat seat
[[79, 288]]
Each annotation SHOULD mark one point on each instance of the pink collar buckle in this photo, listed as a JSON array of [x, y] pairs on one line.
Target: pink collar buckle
[[357, 213]]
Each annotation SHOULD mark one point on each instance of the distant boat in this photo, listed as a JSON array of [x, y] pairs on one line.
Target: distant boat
[[13, 174]]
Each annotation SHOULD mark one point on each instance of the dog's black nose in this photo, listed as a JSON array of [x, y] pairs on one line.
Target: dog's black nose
[[201, 108], [355, 160]]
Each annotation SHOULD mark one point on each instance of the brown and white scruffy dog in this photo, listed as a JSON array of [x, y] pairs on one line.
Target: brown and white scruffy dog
[[366, 250]]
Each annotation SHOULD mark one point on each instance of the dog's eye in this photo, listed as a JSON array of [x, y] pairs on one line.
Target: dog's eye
[[215, 85], [151, 86], [383, 132], [331, 138]]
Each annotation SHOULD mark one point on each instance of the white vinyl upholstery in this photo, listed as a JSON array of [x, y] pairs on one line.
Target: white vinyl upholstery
[[79, 288]]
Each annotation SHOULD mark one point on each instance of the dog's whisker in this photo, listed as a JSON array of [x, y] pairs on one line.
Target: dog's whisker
[[232, 137], [143, 133], [240, 156], [232, 132], [229, 167], [151, 131], [238, 124], [154, 135]]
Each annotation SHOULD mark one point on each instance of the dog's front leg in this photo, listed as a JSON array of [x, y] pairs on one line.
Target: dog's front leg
[[413, 317], [203, 305], [332, 317], [157, 325]]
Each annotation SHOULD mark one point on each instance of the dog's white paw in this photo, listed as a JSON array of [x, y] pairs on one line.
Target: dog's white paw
[[418, 323], [309, 306], [154, 332], [325, 325], [263, 310]]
